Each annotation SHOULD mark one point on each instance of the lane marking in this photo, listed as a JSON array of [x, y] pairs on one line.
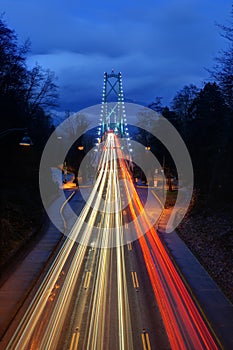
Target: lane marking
[[135, 279], [145, 341], [132, 274], [157, 198], [62, 208], [74, 341], [129, 245], [87, 280], [148, 341]]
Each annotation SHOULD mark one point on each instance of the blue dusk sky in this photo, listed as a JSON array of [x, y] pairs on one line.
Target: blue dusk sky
[[158, 45]]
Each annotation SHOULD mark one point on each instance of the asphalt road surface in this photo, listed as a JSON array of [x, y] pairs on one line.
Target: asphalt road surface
[[111, 286]]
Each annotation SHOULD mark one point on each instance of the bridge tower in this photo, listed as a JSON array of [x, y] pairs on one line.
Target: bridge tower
[[112, 116]]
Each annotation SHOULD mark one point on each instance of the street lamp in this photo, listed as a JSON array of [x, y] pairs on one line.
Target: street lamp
[[80, 148], [26, 141], [148, 179], [64, 172]]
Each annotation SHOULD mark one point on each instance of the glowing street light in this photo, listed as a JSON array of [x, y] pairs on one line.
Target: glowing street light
[[26, 141]]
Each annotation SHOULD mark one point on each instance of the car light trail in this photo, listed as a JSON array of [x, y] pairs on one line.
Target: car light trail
[[26, 327], [42, 324], [112, 219], [125, 329], [183, 322], [57, 319]]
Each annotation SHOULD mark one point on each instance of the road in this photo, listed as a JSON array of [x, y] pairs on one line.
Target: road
[[111, 286]]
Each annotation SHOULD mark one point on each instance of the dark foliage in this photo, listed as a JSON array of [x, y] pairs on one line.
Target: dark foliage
[[25, 96]]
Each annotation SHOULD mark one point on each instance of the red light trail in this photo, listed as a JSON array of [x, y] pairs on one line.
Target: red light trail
[[185, 326]]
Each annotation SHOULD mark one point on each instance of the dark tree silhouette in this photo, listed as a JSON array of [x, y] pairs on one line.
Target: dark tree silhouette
[[222, 72], [12, 77], [40, 90], [183, 100], [23, 92]]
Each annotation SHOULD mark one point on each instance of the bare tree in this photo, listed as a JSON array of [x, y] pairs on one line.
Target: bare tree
[[157, 105], [183, 100], [41, 90], [222, 72]]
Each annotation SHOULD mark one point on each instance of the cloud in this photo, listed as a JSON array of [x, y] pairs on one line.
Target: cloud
[[144, 76], [159, 46]]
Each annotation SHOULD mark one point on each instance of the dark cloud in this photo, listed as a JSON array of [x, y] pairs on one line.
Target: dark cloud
[[157, 45]]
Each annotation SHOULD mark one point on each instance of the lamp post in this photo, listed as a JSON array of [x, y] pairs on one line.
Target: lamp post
[[81, 149], [26, 140], [163, 173], [17, 156], [148, 166], [65, 172]]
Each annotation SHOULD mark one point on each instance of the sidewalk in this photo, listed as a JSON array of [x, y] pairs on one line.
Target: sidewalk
[[217, 308], [15, 289]]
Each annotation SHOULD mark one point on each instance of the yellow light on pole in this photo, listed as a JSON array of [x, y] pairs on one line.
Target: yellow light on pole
[[26, 141]]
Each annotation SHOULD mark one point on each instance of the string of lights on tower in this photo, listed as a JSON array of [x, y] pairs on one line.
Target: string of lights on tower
[[113, 116], [113, 113]]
